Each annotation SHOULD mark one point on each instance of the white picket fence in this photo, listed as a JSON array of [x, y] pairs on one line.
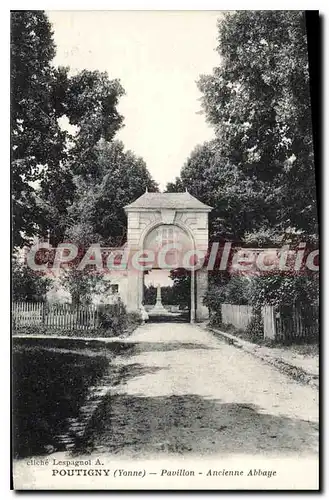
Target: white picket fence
[[62, 316], [27, 313]]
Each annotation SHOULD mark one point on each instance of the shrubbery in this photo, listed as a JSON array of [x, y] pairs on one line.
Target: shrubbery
[[278, 290], [234, 291], [274, 290], [28, 285], [33, 330], [255, 328], [283, 292], [113, 317]]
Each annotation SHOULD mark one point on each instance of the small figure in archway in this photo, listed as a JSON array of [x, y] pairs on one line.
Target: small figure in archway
[[144, 314]]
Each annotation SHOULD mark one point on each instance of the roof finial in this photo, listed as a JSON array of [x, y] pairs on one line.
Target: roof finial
[[146, 190]]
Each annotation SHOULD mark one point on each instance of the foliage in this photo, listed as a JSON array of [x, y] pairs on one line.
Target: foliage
[[83, 284], [170, 295], [276, 290], [150, 294], [235, 291], [97, 213], [36, 138], [258, 101], [279, 290], [113, 317], [258, 173], [89, 103], [57, 121], [28, 285], [181, 289], [238, 201], [92, 101], [215, 317], [177, 294], [206, 178], [255, 328], [31, 330]]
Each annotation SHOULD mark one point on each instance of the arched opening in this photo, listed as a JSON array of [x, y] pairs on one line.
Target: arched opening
[[167, 297], [167, 291], [155, 217]]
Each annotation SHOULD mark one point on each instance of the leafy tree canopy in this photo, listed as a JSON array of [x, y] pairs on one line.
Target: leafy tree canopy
[[45, 156], [258, 173], [258, 101], [27, 285], [97, 213], [36, 138]]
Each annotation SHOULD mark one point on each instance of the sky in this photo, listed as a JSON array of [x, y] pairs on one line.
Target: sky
[[158, 56], [158, 276]]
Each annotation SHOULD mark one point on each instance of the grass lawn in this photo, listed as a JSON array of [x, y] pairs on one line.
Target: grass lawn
[[50, 381]]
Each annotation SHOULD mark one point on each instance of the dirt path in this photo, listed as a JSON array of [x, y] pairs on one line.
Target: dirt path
[[189, 393]]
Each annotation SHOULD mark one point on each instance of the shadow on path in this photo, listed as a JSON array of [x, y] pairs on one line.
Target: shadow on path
[[51, 385], [144, 426]]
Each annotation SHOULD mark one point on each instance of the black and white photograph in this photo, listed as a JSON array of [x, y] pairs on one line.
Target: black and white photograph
[[165, 250]]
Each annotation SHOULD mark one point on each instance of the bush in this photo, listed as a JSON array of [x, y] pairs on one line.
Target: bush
[[235, 291], [28, 285], [113, 317], [255, 328], [134, 318], [215, 317], [31, 330], [278, 290]]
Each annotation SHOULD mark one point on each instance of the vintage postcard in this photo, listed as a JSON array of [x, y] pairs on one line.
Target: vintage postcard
[[165, 250]]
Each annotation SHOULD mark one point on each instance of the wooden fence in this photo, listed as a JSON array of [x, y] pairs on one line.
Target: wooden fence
[[296, 323], [60, 316], [238, 316], [285, 324]]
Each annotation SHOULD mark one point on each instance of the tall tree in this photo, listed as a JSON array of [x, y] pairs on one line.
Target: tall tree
[[90, 101], [259, 173], [258, 101], [97, 214], [237, 200], [36, 138], [44, 155]]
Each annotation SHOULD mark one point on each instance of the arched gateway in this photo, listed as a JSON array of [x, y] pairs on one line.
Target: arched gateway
[[156, 223]]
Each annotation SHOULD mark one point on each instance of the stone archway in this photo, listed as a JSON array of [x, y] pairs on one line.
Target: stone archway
[[165, 212], [152, 239]]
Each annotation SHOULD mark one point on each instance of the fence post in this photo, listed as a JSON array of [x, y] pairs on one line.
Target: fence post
[[269, 322], [42, 313]]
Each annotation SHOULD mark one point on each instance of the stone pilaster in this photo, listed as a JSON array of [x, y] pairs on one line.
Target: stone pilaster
[[202, 312]]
